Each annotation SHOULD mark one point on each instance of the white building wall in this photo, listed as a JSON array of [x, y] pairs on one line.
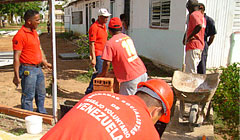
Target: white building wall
[[165, 45], [161, 45], [119, 8], [222, 12], [67, 18], [80, 6], [234, 56]]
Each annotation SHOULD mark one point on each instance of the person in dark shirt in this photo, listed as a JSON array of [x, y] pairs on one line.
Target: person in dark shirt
[[209, 36], [48, 27]]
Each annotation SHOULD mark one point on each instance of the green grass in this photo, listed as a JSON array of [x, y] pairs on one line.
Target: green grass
[[18, 131], [42, 26], [85, 78], [6, 29]]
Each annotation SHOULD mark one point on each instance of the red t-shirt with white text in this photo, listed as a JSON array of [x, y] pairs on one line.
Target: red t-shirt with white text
[[105, 116], [121, 51]]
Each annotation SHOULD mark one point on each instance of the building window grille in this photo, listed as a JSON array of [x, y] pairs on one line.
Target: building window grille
[[77, 17], [160, 13]]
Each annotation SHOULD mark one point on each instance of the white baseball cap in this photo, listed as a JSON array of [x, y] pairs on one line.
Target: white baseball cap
[[103, 12]]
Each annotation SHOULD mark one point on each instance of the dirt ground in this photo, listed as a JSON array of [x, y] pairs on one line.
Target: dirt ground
[[68, 87], [67, 71]]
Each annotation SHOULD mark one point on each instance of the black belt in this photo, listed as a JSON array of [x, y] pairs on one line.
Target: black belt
[[33, 65]]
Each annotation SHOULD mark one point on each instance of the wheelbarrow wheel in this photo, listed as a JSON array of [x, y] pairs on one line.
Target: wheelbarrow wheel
[[193, 113]]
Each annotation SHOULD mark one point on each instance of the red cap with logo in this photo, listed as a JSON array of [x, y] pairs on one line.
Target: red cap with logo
[[115, 22]]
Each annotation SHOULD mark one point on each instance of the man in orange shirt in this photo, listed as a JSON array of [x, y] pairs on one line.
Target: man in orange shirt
[[108, 116], [97, 40], [28, 62]]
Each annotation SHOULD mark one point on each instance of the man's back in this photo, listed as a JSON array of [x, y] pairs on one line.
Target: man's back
[[121, 51], [209, 31], [105, 116], [196, 18], [210, 27]]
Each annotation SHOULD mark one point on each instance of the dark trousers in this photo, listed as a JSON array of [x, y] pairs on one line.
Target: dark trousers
[[160, 126], [201, 68]]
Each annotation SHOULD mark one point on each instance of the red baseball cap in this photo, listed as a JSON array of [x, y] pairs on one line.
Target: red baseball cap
[[115, 22]]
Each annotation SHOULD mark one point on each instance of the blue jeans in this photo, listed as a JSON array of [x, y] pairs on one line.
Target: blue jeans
[[98, 66], [33, 86]]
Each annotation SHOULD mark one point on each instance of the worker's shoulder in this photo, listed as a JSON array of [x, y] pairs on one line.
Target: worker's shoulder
[[196, 14], [19, 35], [93, 26], [209, 19]]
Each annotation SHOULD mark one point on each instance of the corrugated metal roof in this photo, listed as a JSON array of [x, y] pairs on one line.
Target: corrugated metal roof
[[15, 1]]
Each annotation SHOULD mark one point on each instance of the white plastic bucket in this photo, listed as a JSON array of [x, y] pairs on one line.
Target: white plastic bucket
[[33, 124]]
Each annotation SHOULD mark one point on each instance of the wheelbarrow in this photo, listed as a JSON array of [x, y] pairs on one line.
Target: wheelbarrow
[[197, 89]]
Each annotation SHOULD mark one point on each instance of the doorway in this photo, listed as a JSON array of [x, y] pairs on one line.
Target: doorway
[[88, 16], [127, 11]]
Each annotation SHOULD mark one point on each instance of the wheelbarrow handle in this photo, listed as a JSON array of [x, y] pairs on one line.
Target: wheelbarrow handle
[[185, 96]]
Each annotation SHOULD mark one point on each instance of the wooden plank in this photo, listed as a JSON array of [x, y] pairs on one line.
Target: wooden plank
[[21, 113]]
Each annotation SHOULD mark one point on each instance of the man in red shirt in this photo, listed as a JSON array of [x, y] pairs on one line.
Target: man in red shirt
[[127, 66], [195, 36], [97, 40], [108, 116], [28, 61]]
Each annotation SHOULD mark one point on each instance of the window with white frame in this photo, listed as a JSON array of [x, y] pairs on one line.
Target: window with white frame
[[77, 17], [160, 13]]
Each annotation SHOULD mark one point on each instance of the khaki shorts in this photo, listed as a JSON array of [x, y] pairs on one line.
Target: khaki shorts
[[130, 87], [192, 59]]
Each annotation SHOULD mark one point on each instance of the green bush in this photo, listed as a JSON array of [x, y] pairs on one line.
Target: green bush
[[85, 77], [226, 100], [83, 44], [67, 35]]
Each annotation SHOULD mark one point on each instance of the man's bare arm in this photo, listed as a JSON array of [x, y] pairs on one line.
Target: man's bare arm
[[210, 41], [92, 53], [184, 39], [194, 32], [106, 65], [16, 65]]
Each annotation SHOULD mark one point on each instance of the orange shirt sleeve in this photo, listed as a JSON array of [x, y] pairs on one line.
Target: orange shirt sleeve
[[107, 52], [92, 33], [18, 42]]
